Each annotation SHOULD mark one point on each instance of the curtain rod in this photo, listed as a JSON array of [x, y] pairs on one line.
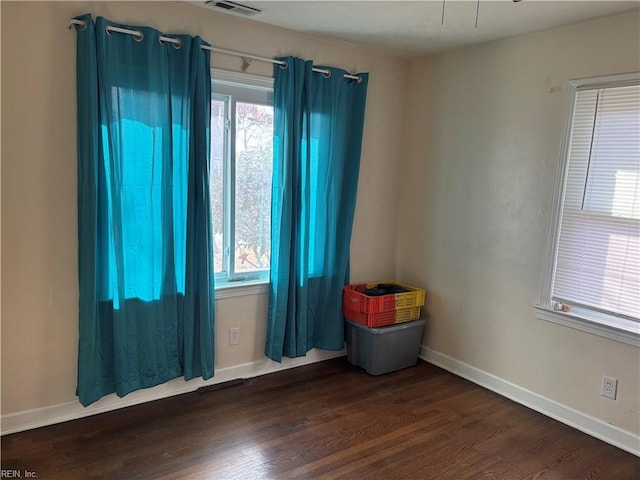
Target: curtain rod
[[139, 35]]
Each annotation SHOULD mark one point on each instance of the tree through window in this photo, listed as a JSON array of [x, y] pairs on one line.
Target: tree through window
[[241, 171]]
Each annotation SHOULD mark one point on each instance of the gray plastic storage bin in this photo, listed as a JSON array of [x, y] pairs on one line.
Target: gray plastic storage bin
[[384, 349]]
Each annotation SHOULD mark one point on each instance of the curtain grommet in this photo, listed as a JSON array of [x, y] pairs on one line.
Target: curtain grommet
[[326, 74], [79, 24], [109, 32], [138, 37], [176, 43], [283, 65]]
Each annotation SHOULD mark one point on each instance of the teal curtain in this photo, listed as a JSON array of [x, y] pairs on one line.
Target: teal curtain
[[318, 123], [146, 293]]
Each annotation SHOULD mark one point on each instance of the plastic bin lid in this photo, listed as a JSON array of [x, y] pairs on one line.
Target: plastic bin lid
[[388, 328]]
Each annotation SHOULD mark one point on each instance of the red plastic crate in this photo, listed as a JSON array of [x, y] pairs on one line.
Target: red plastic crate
[[353, 299], [382, 318]]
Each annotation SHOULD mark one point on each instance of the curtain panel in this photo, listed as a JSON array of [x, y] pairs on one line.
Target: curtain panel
[[146, 293], [318, 126]]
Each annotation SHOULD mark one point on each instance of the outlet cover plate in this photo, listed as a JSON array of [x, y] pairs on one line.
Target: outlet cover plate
[[234, 336], [609, 387]]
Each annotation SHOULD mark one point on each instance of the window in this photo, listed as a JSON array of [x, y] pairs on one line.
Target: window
[[241, 171], [594, 261]]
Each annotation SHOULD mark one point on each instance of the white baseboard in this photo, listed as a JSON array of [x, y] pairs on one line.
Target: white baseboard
[[63, 412], [592, 426]]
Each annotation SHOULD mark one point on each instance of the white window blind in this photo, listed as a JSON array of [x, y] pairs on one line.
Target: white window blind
[[598, 250]]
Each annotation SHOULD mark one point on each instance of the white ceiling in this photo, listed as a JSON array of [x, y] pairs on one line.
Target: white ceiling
[[417, 27]]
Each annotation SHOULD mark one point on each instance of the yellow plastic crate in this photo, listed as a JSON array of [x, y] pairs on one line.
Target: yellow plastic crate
[[382, 318]]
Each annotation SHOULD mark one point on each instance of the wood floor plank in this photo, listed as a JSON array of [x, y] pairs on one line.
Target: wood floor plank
[[323, 421]]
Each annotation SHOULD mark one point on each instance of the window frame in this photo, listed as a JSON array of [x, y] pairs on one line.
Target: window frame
[[584, 319], [237, 285]]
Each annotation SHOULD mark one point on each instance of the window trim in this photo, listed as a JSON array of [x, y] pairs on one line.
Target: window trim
[[228, 289], [250, 283], [590, 321]]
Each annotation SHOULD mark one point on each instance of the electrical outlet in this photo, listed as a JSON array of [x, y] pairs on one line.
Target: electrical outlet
[[234, 336], [609, 387]]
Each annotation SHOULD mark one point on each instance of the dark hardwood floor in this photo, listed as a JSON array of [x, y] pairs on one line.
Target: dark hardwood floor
[[328, 420]]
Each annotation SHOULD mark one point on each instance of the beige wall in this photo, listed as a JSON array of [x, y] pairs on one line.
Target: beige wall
[[39, 245], [483, 135]]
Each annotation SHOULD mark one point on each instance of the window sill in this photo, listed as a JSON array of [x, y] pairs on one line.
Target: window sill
[[613, 328], [228, 290]]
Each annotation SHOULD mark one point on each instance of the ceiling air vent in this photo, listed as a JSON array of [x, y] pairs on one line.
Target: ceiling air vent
[[233, 7]]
